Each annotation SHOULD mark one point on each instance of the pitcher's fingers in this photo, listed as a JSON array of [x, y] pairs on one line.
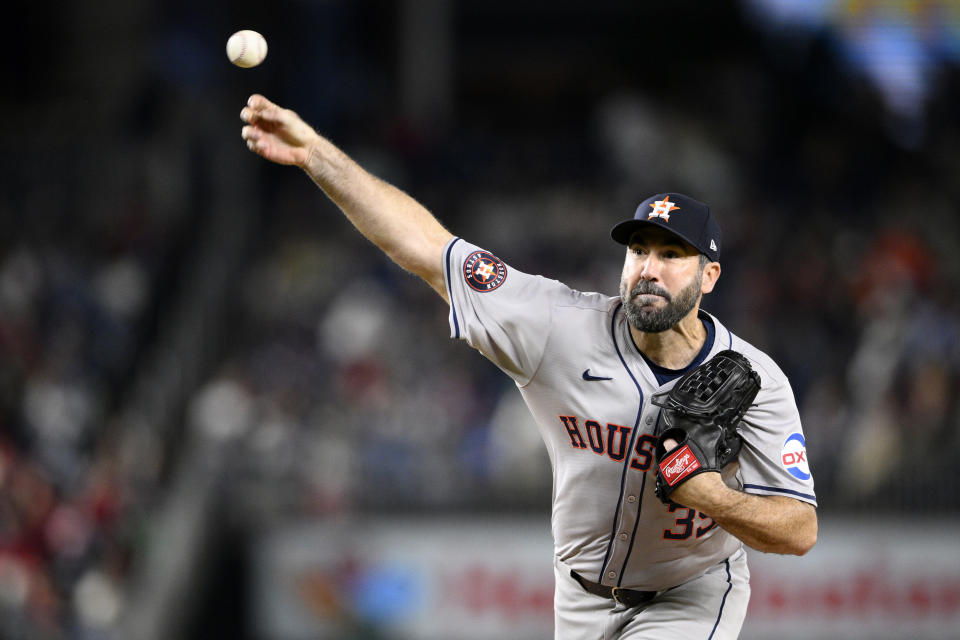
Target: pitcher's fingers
[[255, 142], [253, 112], [259, 109], [259, 113], [268, 117], [258, 102]]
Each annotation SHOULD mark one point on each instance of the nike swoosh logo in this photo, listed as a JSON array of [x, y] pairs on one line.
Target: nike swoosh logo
[[590, 378]]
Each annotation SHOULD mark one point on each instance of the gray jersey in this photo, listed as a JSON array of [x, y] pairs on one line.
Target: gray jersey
[[589, 388]]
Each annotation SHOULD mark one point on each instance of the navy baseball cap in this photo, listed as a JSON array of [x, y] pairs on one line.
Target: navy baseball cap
[[682, 216]]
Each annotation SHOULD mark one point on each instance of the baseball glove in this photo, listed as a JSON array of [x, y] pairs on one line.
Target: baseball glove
[[701, 412]]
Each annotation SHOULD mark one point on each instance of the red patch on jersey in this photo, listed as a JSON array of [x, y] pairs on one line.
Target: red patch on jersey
[[678, 465], [484, 271]]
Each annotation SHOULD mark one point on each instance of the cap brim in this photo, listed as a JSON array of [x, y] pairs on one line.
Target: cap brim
[[623, 231]]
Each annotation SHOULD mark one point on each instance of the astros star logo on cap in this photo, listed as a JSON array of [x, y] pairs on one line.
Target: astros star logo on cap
[[662, 209]]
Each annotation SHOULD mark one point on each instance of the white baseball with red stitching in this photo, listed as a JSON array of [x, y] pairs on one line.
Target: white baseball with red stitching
[[246, 48]]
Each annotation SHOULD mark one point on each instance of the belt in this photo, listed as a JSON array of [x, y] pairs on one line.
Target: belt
[[626, 597]]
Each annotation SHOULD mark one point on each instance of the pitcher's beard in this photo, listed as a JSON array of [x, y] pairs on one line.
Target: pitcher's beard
[[658, 320]]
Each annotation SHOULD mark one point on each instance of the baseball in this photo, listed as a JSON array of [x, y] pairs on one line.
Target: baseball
[[246, 48]]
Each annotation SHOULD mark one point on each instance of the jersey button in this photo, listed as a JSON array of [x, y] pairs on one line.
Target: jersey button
[[622, 536], [649, 419], [631, 498], [611, 574]]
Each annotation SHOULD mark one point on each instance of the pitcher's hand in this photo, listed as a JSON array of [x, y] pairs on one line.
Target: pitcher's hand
[[277, 134]]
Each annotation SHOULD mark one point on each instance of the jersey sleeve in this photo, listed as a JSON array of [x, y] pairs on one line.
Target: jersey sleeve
[[773, 460], [503, 313]]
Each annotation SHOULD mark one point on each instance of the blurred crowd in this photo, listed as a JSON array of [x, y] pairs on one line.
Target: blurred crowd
[[336, 384], [93, 237]]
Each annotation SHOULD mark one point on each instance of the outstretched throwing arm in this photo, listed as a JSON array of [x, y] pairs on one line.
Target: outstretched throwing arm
[[403, 228]]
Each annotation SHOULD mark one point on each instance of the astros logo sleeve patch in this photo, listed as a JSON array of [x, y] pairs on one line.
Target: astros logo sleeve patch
[[483, 271]]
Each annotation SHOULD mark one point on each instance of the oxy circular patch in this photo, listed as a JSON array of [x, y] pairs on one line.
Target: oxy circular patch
[[484, 271], [793, 455]]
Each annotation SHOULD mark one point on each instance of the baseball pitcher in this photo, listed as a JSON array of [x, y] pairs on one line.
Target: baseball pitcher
[[673, 441]]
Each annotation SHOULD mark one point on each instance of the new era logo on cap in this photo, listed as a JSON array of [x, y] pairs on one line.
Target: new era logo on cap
[[683, 216]]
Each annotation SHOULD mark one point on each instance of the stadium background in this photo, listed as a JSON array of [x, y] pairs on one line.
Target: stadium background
[[197, 353]]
